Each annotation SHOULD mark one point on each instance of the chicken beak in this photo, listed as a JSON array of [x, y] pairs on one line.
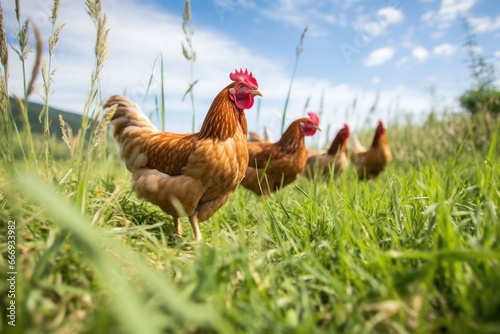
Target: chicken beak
[[319, 128], [256, 92]]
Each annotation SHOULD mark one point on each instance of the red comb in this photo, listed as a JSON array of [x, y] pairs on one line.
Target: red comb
[[243, 76], [314, 117], [380, 124], [346, 126]]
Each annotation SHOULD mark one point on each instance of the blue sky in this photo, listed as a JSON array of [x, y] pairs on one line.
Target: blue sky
[[355, 49]]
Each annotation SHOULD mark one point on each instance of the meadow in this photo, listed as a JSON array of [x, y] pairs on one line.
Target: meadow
[[415, 250]]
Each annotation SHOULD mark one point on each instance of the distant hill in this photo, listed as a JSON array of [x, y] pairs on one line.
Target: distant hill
[[34, 109]]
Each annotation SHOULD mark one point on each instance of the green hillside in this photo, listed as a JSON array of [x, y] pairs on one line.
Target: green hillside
[[34, 109]]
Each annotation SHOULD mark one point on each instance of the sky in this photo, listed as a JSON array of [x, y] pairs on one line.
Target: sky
[[409, 56]]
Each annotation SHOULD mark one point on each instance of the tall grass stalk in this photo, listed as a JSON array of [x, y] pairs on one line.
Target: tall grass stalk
[[4, 54], [38, 60], [162, 110], [23, 51], [482, 71], [306, 105], [190, 55], [92, 110], [8, 126], [48, 75], [160, 106], [372, 110], [298, 52], [7, 122], [151, 77], [321, 111]]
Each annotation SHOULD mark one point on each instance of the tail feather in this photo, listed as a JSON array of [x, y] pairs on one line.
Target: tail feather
[[357, 150], [254, 136], [267, 135], [129, 126], [127, 114]]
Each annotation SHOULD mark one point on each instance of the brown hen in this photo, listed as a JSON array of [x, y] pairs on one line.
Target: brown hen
[[334, 159], [272, 166], [371, 162], [188, 174]]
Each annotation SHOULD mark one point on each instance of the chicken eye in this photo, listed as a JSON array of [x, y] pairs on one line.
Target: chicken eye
[[240, 86]]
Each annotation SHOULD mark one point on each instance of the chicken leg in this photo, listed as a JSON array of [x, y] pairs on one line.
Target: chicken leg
[[196, 228], [178, 226]]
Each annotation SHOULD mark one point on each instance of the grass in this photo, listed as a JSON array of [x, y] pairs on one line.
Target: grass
[[298, 51], [416, 250], [190, 55]]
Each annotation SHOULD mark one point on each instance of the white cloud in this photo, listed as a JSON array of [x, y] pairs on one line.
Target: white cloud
[[449, 11], [453, 9], [445, 49], [420, 53], [379, 56], [428, 16], [497, 54], [375, 80], [390, 14], [301, 13], [376, 25], [484, 24], [287, 11]]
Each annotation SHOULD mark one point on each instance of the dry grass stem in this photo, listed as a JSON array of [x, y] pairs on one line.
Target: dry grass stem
[[38, 61]]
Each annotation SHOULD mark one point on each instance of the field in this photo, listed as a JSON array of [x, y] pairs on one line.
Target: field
[[415, 250]]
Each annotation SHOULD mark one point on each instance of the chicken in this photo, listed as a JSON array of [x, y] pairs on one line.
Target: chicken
[[272, 166], [335, 158], [254, 136], [188, 174], [370, 163]]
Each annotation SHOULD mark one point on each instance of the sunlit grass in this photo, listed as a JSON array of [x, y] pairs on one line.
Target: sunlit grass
[[415, 250]]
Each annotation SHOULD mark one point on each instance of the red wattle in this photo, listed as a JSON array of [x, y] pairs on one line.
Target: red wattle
[[243, 103]]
